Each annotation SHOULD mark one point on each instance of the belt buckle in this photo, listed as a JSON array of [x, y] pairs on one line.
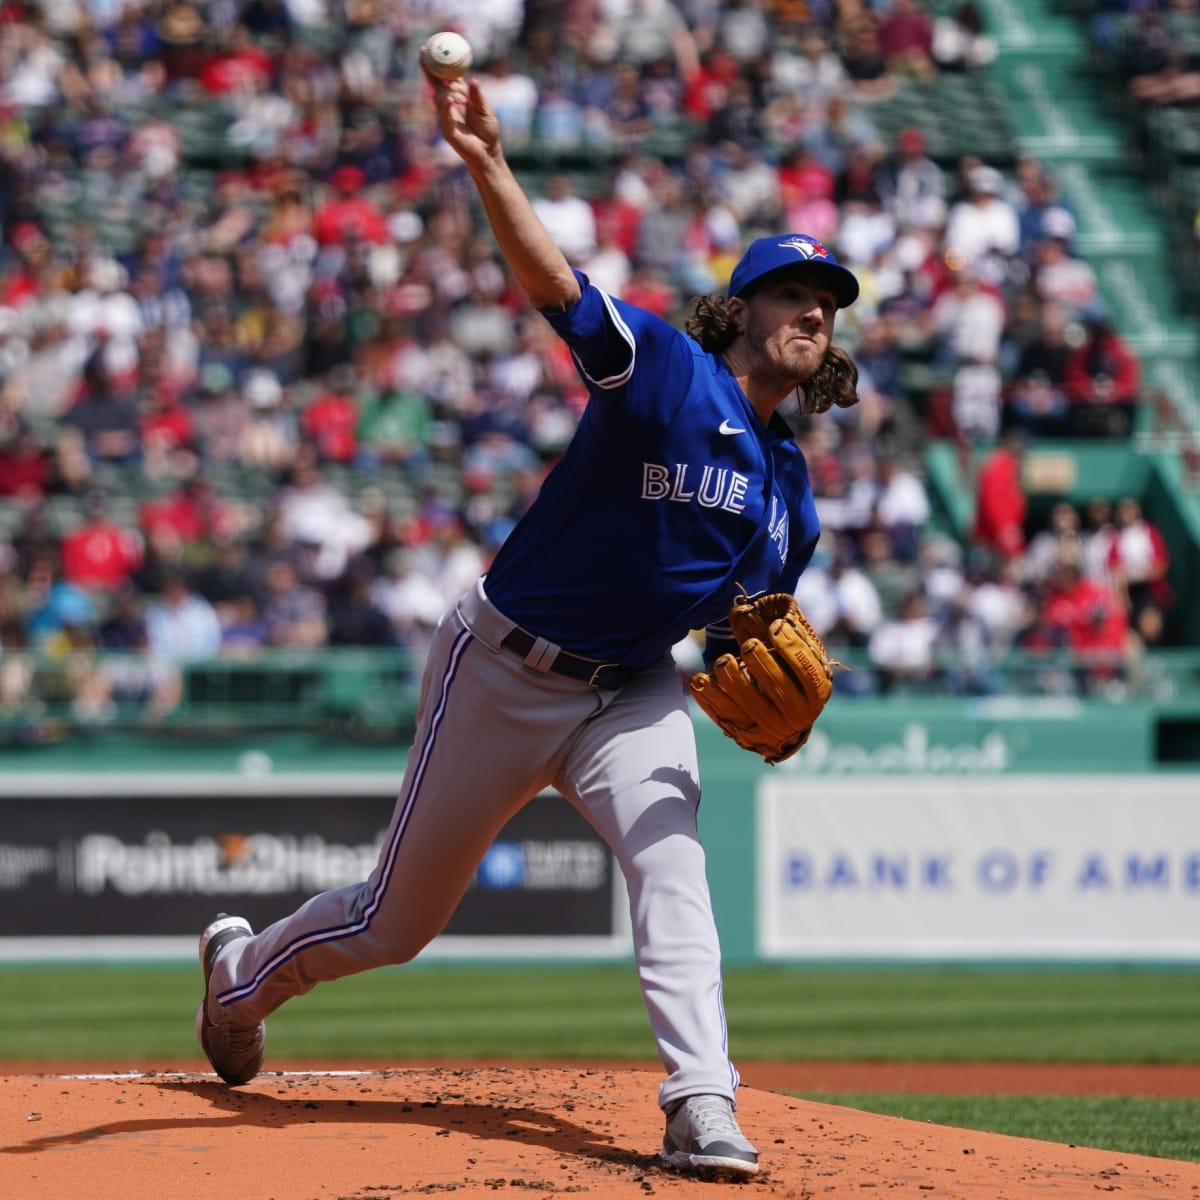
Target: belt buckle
[[594, 681]]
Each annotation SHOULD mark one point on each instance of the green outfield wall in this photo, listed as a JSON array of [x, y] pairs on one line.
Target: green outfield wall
[[1054, 828]]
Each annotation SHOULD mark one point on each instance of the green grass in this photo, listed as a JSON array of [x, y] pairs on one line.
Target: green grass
[[946, 1013], [1133, 1125], [142, 1015]]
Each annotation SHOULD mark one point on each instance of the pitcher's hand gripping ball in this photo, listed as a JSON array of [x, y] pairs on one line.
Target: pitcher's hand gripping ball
[[768, 695], [446, 55]]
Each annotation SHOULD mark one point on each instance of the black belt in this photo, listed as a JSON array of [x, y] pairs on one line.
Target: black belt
[[573, 666]]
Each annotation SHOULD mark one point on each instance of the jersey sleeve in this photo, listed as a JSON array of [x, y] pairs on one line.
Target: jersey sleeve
[[627, 357]]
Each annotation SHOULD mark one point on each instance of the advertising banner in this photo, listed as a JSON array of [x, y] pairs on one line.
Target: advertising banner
[[84, 870], [1013, 867]]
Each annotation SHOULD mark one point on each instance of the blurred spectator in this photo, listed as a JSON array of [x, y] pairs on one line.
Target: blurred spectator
[[976, 400], [1058, 275], [906, 39], [1048, 546], [840, 599], [411, 600], [996, 595], [271, 435], [348, 216], [960, 39], [1000, 500], [1096, 537], [982, 231], [26, 467], [127, 675], [313, 511], [193, 512], [569, 219], [1043, 644], [967, 321], [902, 507], [330, 421], [181, 626], [903, 648], [354, 617], [892, 578], [1092, 621], [243, 631], [1138, 560], [942, 580], [54, 605], [965, 642], [1037, 400], [1103, 378], [880, 369], [105, 414], [653, 30], [911, 184], [809, 69], [100, 553], [293, 613], [513, 96], [864, 59]]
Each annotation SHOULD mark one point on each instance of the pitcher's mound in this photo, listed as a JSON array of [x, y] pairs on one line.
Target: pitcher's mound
[[482, 1130]]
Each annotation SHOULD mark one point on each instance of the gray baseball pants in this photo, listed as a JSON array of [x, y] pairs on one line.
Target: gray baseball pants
[[491, 734]]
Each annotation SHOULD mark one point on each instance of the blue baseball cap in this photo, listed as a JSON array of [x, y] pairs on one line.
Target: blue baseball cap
[[768, 254]]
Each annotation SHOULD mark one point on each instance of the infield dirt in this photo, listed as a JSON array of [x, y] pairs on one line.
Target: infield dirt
[[479, 1130]]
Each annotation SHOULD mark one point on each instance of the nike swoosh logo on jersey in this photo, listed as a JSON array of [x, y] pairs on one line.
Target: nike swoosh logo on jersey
[[728, 429]]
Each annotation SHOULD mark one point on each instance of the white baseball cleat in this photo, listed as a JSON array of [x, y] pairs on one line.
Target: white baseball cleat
[[235, 1051], [703, 1132]]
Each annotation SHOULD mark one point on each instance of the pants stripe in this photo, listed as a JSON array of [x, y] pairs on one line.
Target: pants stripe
[[320, 936]]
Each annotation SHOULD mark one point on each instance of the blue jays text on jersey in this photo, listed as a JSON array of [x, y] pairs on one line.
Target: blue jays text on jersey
[[672, 493]]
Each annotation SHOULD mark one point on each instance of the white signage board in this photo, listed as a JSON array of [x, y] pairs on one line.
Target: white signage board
[[1009, 867]]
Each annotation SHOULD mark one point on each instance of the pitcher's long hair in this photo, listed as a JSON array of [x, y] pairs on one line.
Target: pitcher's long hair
[[836, 380]]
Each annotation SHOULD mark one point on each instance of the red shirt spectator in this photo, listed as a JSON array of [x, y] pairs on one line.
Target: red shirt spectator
[[1089, 614], [20, 281], [1102, 377], [192, 513], [243, 67], [906, 37], [1000, 501], [348, 216], [330, 422], [25, 468], [100, 553], [167, 423], [708, 88]]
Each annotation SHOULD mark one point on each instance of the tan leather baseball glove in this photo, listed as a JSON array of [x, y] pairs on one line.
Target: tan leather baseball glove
[[768, 695]]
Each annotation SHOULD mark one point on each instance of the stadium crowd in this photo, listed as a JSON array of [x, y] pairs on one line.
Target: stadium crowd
[[265, 384]]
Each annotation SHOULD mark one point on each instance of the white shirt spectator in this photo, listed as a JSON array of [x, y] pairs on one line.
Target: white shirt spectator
[[816, 74], [513, 97], [969, 320], [907, 643], [313, 511], [569, 219], [975, 401], [984, 226], [903, 500], [841, 595], [1000, 604], [609, 268]]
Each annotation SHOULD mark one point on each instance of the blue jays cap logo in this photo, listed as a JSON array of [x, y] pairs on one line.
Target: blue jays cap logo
[[768, 254], [806, 247]]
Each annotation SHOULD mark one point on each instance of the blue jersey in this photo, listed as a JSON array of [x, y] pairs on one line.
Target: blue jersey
[[671, 496]]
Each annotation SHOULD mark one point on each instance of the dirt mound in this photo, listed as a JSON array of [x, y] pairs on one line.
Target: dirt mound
[[475, 1131]]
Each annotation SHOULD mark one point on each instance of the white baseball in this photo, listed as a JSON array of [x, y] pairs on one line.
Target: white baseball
[[446, 55]]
